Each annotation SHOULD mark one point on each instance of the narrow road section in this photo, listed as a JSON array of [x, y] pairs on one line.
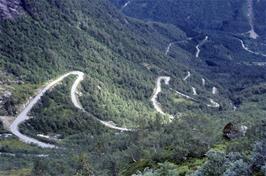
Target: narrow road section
[[214, 90], [125, 5], [194, 90], [184, 95], [249, 50], [77, 104], [158, 90], [73, 92], [199, 45], [213, 104], [187, 76], [168, 48], [203, 82]]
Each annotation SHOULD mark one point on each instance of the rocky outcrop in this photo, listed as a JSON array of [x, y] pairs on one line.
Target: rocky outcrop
[[10, 9], [232, 131]]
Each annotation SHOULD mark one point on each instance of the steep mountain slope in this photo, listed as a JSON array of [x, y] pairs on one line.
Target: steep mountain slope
[[136, 74], [226, 44], [120, 57], [230, 15], [116, 56], [65, 40], [227, 24]]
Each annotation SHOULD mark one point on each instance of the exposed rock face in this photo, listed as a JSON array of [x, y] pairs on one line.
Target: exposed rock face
[[232, 131], [9, 9]]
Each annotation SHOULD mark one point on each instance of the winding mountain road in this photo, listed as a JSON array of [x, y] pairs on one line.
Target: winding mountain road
[[168, 48], [199, 45], [74, 89], [187, 76], [194, 90], [78, 105], [158, 90], [213, 104], [184, 95], [249, 50], [23, 116]]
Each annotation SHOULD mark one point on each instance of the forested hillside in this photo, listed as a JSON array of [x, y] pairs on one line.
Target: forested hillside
[[228, 50], [55, 38], [229, 15], [171, 85]]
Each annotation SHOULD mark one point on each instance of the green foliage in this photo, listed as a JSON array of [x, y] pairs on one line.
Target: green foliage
[[167, 169], [39, 168], [251, 160], [22, 92], [55, 117], [121, 61], [2, 127], [15, 172], [137, 166], [84, 168]]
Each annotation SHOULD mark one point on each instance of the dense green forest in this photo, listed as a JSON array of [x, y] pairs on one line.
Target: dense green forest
[[122, 57]]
